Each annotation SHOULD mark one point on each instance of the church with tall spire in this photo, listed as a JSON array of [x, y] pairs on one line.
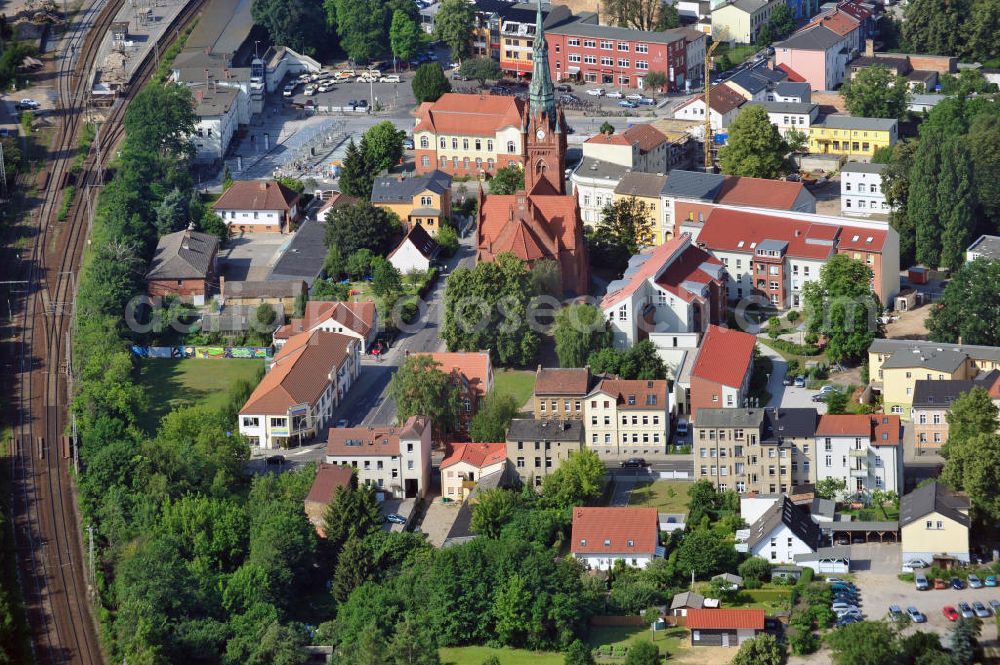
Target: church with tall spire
[[540, 222]]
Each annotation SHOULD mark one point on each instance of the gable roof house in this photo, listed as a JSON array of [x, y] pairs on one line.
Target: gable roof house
[[724, 103], [252, 206], [354, 319], [934, 525], [324, 488], [602, 536], [723, 627], [306, 380], [418, 200], [783, 531], [559, 392], [816, 54], [415, 251], [755, 83], [184, 264], [721, 374], [685, 601], [472, 371], [393, 460], [472, 468]]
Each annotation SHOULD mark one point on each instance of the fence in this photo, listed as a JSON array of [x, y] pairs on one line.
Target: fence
[[205, 352]]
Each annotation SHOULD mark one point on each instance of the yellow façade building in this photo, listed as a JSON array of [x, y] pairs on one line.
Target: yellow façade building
[[852, 137], [422, 200], [646, 188]]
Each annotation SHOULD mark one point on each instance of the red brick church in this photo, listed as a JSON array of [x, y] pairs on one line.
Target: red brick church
[[541, 222]]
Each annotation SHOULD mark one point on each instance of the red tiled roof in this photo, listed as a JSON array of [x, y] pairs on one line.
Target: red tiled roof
[[718, 619], [356, 316], [685, 261], [853, 9], [722, 99], [299, 372], [476, 115], [336, 200], [759, 192], [725, 356], [478, 455], [593, 527], [256, 195], [741, 231], [530, 226], [328, 478], [879, 429], [372, 441], [567, 381], [838, 22], [888, 430], [475, 366], [640, 394], [793, 76], [608, 139], [647, 136]]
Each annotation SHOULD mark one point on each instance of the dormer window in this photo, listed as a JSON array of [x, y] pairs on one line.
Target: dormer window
[[631, 400], [631, 543], [583, 542], [607, 542]]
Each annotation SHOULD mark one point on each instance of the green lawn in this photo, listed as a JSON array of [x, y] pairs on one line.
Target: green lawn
[[519, 383], [772, 600], [668, 641], [476, 656], [173, 383], [658, 495]]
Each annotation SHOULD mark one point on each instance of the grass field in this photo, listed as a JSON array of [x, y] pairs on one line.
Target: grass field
[[668, 641], [193, 381], [772, 600], [476, 656], [658, 495], [519, 383]]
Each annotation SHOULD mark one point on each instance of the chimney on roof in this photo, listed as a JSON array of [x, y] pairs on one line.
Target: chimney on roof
[[870, 48], [263, 185]]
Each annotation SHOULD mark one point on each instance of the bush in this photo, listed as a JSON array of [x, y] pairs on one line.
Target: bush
[[793, 316], [447, 238], [803, 643], [793, 348]]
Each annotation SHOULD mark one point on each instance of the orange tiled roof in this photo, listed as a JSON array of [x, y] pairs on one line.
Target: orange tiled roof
[[725, 356], [636, 393], [531, 226], [476, 115], [566, 381], [256, 195], [299, 372], [328, 478], [718, 619], [647, 136], [593, 527], [687, 260], [608, 139], [760, 192], [478, 455], [372, 441], [475, 366], [357, 316], [838, 22]]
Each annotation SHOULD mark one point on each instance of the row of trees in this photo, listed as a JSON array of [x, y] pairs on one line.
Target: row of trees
[[881, 643], [940, 185], [963, 28]]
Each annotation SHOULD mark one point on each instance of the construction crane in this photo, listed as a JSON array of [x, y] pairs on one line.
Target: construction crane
[[708, 100]]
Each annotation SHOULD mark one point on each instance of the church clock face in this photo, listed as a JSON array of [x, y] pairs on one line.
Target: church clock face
[[540, 134]]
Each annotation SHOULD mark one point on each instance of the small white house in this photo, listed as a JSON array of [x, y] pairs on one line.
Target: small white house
[[788, 116], [826, 560], [415, 251], [251, 206], [602, 536], [861, 189], [726, 104], [782, 532]]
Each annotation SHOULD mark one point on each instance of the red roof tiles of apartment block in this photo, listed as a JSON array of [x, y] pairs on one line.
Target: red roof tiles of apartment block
[[565, 381], [328, 478], [725, 356], [759, 192], [719, 619], [476, 115], [475, 366], [686, 263], [611, 530], [879, 429], [608, 139], [373, 441], [640, 394], [838, 22], [356, 316], [647, 136], [479, 455], [793, 76]]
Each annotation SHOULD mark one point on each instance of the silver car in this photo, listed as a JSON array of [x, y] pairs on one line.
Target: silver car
[[981, 610]]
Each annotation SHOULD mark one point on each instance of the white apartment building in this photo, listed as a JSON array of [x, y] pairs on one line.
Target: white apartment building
[[787, 116], [862, 450], [594, 182], [394, 460], [627, 418], [861, 189]]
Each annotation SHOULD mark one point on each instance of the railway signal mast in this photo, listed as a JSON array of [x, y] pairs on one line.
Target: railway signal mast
[[708, 100]]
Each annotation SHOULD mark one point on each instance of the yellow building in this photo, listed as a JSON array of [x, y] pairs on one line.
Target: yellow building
[[423, 200], [895, 365], [934, 524], [741, 20], [646, 189], [850, 136], [627, 418]]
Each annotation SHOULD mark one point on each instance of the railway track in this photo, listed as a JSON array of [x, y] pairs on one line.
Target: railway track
[[56, 588]]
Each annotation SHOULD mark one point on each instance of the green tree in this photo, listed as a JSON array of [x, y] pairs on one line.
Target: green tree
[[863, 643], [668, 19], [984, 149], [967, 307], [580, 330], [841, 306], [357, 173], [626, 225], [765, 35], [796, 141], [606, 128], [359, 264], [413, 644], [354, 568], [368, 650], [876, 92], [384, 146], [352, 514], [265, 314], [705, 552], [782, 21], [896, 187], [656, 80], [755, 569], [493, 417], [447, 238], [482, 70], [921, 201], [486, 308], [507, 180], [578, 653], [512, 611], [493, 509], [429, 83], [297, 24], [421, 388], [762, 650], [453, 26], [172, 213], [578, 481], [638, 14], [161, 118], [754, 148], [929, 26], [386, 280], [836, 402], [980, 459], [362, 226], [360, 27], [335, 264], [830, 488], [955, 203], [642, 361], [984, 22], [965, 639], [546, 278], [643, 652], [405, 36]]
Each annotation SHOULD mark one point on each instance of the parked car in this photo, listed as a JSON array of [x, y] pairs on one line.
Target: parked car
[[836, 580], [310, 90], [646, 101], [965, 610], [395, 518], [800, 382], [568, 97], [615, 94], [920, 581], [634, 97], [895, 614], [916, 563], [288, 90], [840, 608], [838, 586], [634, 463], [940, 583], [950, 613], [981, 610], [628, 104], [956, 583], [990, 580], [408, 143], [975, 582], [786, 380], [342, 423], [391, 78], [362, 104], [564, 88], [848, 619], [995, 604], [275, 460], [27, 105], [682, 427], [596, 92], [916, 616]]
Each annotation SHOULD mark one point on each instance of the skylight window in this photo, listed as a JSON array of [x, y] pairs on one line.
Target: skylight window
[[855, 238], [869, 239], [740, 244]]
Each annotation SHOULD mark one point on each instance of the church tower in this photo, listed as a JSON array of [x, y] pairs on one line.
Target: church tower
[[545, 138]]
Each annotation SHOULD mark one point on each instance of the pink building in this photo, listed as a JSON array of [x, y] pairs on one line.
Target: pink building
[[816, 55]]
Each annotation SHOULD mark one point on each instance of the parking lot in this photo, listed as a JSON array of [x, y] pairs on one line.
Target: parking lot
[[250, 257], [388, 96]]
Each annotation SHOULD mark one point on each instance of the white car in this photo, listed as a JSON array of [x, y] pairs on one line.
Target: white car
[[310, 90], [326, 87], [615, 94], [596, 92], [391, 78], [634, 97], [289, 90]]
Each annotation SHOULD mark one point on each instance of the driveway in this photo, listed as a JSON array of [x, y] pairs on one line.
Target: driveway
[[439, 519], [788, 397]]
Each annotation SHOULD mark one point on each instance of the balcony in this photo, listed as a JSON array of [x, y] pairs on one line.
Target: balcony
[[468, 484], [863, 453], [859, 473]]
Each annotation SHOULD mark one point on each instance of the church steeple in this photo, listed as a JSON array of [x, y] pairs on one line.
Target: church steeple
[[542, 93]]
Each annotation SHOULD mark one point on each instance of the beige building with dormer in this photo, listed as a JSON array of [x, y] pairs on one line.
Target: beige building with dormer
[[626, 418]]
